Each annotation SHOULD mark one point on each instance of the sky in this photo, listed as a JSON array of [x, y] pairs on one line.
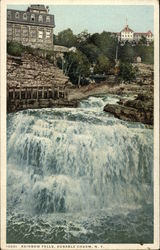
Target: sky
[[98, 18]]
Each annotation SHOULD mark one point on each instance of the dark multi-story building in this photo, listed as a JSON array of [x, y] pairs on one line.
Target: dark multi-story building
[[33, 27]]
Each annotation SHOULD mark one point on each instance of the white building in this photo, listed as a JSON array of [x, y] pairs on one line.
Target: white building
[[129, 35]]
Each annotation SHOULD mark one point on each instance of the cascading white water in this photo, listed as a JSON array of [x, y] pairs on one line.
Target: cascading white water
[[77, 162]]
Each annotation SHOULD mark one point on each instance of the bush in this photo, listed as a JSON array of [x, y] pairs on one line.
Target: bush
[[128, 53], [15, 49], [127, 72], [103, 65]]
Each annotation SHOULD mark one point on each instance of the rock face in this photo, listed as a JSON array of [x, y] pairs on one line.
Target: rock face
[[30, 70], [145, 74], [138, 110], [34, 82]]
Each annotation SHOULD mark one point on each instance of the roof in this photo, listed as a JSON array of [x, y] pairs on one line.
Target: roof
[[127, 29], [140, 33], [38, 6], [11, 18], [144, 33], [149, 32]]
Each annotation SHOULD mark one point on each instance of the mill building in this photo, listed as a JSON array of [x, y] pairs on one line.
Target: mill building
[[33, 27]]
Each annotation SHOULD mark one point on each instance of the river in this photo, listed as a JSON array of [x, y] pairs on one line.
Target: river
[[78, 175]]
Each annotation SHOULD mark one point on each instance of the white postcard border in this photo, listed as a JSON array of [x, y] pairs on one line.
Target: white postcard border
[[3, 7]]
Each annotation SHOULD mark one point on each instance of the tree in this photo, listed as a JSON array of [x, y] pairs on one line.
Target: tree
[[127, 72], [66, 38], [143, 40], [83, 36], [127, 53], [103, 65], [106, 43], [76, 66], [95, 39], [91, 51], [146, 53]]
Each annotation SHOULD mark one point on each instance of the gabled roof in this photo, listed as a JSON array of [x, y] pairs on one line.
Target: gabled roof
[[144, 33], [140, 33], [127, 29], [149, 32]]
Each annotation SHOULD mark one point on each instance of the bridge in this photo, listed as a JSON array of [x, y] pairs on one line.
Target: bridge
[[25, 97]]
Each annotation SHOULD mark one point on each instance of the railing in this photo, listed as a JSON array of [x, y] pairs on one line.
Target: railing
[[36, 93]]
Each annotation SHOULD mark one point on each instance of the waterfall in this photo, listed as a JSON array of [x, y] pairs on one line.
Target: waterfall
[[82, 160]]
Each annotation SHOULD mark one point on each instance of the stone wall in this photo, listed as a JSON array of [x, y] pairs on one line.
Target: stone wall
[[28, 35]]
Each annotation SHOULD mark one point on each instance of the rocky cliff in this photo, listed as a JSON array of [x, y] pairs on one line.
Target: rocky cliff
[[29, 70]]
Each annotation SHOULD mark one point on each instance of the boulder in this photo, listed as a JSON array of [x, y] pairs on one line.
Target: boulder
[[137, 110]]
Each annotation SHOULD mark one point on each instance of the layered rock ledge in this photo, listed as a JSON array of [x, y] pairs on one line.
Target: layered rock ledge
[[29, 70], [138, 110]]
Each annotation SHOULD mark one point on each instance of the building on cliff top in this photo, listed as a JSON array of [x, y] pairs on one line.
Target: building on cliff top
[[33, 27], [129, 35]]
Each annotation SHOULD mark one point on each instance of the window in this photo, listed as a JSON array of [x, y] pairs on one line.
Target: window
[[40, 34], [17, 32], [40, 18], [48, 19], [25, 32], [17, 15], [9, 14], [25, 16], [33, 33], [33, 17], [9, 30], [48, 34]]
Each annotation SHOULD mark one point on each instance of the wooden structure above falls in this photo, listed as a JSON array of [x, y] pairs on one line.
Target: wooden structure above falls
[[20, 98], [33, 82]]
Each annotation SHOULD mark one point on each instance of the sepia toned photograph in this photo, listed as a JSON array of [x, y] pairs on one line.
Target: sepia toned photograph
[[80, 99]]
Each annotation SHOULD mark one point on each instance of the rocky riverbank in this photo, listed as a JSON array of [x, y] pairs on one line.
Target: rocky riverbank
[[141, 108], [138, 110]]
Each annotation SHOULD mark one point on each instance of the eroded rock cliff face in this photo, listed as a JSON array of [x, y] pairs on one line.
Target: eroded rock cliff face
[[141, 108], [138, 110], [30, 70]]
